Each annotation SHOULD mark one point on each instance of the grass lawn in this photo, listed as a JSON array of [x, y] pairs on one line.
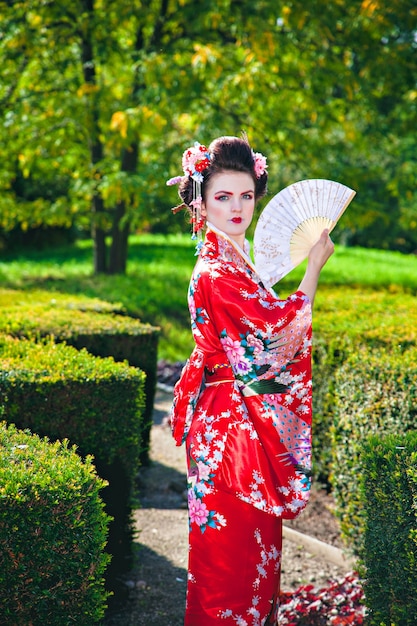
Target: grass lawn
[[159, 267]]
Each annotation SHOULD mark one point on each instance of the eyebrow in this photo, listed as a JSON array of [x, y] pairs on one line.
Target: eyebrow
[[231, 192]]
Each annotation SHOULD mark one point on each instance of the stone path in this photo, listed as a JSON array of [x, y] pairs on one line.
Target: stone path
[[158, 583]]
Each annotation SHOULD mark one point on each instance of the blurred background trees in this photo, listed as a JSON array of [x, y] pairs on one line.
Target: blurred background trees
[[98, 99]]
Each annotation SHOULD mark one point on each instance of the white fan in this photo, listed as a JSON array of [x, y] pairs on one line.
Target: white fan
[[292, 222]]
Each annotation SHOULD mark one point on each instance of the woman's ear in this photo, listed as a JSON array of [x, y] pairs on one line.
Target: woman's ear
[[203, 210]]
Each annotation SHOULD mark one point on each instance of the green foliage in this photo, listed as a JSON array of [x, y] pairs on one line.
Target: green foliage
[[98, 102], [375, 393], [376, 318], [347, 321], [389, 496], [61, 392], [65, 323], [74, 320], [53, 532]]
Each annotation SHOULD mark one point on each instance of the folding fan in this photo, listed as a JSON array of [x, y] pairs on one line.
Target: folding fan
[[292, 222]]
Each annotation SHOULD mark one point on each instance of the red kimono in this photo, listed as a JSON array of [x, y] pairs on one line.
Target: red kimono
[[243, 408]]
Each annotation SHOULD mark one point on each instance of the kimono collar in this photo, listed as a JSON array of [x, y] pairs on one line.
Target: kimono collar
[[231, 251], [245, 253]]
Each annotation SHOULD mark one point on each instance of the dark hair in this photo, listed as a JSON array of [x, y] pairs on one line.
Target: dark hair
[[226, 154]]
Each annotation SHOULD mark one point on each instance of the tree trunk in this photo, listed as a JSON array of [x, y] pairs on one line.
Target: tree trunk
[[99, 239], [96, 146], [119, 242], [130, 157], [121, 227]]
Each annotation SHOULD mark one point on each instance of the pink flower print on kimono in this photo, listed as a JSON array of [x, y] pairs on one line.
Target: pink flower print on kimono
[[200, 482], [245, 357], [197, 511], [235, 353]]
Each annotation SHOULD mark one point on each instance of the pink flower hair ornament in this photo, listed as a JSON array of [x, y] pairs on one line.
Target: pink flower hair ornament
[[195, 160], [259, 161]]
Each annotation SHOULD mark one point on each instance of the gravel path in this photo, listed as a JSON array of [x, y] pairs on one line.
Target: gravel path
[[156, 587]]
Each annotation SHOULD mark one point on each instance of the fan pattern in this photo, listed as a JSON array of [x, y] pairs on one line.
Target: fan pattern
[[292, 222]]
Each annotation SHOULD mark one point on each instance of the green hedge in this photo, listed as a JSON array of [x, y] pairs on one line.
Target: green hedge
[[345, 321], [53, 531], [389, 484], [76, 322], [375, 393], [60, 392], [373, 318]]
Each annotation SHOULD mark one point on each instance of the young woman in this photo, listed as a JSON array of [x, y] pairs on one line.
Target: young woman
[[243, 403]]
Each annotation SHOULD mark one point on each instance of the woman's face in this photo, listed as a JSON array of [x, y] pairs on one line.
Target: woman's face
[[229, 203]]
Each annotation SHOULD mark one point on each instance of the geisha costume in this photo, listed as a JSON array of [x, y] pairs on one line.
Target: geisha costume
[[243, 408]]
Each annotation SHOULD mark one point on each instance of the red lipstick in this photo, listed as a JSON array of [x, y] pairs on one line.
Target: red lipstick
[[236, 220]]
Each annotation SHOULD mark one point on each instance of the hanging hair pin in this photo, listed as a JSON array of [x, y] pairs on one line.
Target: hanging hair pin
[[197, 220], [178, 208], [194, 161]]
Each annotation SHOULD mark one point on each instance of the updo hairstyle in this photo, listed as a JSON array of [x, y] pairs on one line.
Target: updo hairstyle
[[227, 154]]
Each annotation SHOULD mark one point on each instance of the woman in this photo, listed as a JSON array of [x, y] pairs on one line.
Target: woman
[[243, 403]]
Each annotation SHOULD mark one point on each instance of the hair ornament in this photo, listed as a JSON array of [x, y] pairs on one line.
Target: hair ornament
[[259, 163], [174, 181], [195, 160], [198, 222], [178, 208]]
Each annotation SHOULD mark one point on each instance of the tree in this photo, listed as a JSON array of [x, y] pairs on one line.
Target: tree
[[99, 98], [102, 73]]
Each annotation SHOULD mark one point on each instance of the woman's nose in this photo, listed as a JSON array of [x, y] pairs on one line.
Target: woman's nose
[[236, 205]]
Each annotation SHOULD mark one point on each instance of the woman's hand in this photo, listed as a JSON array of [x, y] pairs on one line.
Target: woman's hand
[[317, 258], [321, 251]]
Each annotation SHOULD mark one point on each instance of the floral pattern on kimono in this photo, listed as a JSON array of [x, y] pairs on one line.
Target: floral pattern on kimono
[[243, 408], [260, 346]]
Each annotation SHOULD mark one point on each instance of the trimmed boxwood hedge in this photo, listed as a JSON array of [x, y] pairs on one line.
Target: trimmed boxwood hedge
[[346, 320], [53, 531], [375, 394], [106, 334], [63, 393], [58, 391], [389, 495]]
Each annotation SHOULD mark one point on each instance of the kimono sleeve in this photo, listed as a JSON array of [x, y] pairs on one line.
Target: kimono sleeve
[[259, 332], [186, 393]]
